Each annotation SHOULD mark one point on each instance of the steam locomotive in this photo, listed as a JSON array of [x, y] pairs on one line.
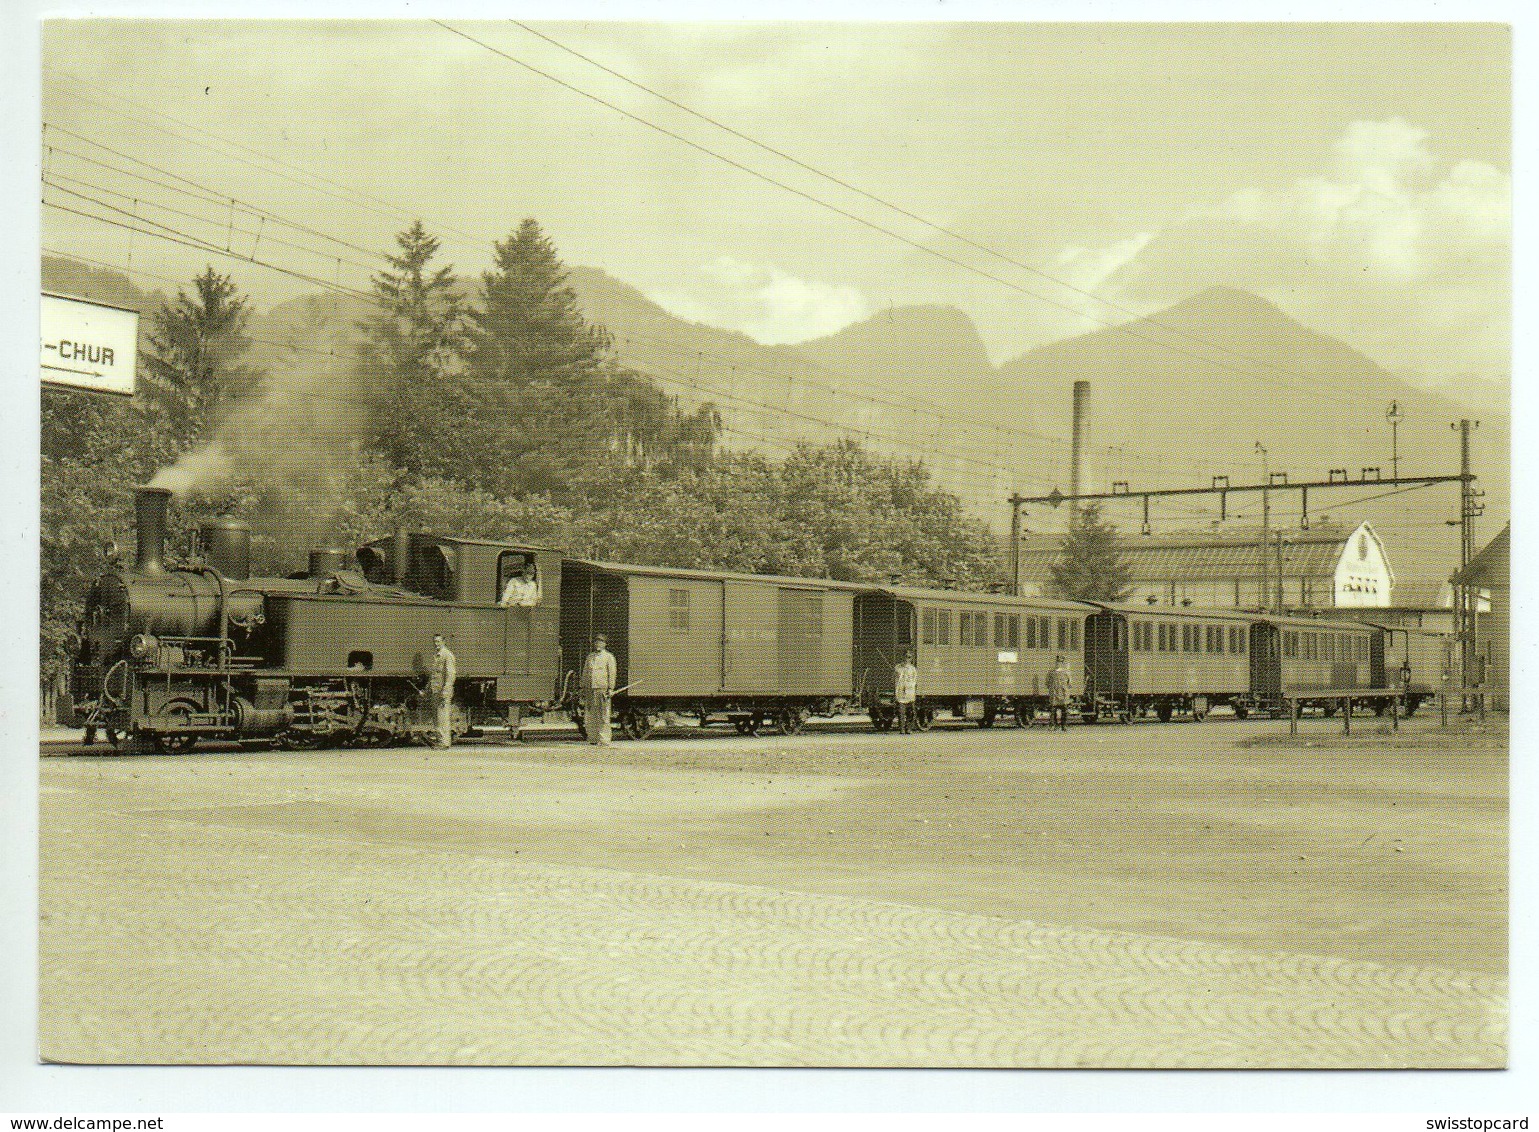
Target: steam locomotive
[[335, 653], [338, 653]]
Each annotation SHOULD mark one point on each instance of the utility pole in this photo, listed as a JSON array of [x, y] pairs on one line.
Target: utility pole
[[1015, 544], [1394, 415], [1281, 606], [1466, 598], [1263, 591]]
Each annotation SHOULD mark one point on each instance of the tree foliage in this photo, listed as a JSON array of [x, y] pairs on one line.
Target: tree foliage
[[194, 360], [556, 413], [411, 361], [1090, 566]]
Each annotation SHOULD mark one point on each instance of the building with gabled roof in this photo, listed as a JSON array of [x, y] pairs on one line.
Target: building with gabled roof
[[1326, 567]]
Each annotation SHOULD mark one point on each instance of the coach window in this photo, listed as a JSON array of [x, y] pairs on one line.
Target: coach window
[[1013, 630], [1074, 634], [943, 626], [1160, 635], [1244, 640], [927, 627], [678, 610], [1063, 633], [1031, 632], [999, 630], [1330, 646]]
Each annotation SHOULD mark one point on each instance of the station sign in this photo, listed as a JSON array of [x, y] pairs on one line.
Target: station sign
[[89, 345]]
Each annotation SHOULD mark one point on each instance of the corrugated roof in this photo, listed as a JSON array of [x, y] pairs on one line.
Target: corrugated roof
[[1202, 558]]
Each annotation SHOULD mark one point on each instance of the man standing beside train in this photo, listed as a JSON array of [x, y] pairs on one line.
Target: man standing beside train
[[1058, 684], [598, 688], [441, 688], [905, 690]]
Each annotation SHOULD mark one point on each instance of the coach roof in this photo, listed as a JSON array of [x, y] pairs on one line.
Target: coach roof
[[968, 597]]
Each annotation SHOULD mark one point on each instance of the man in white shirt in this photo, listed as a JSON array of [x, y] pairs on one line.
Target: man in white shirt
[[522, 589], [905, 684], [598, 688], [441, 678]]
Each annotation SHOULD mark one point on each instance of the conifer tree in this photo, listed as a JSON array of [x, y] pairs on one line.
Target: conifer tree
[[1090, 566], [412, 361], [194, 360]]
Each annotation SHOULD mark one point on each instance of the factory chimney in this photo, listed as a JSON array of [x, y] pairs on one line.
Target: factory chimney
[[150, 506], [1079, 446]]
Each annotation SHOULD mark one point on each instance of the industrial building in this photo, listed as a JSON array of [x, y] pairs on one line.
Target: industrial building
[[1325, 567]]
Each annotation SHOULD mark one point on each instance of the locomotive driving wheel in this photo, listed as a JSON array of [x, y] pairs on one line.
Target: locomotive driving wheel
[[174, 742]]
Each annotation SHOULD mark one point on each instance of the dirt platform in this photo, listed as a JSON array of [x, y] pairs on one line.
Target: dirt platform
[[1144, 895]]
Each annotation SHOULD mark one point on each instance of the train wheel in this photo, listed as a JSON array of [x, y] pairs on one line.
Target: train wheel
[[924, 718], [175, 743], [1199, 716], [1164, 711], [1411, 704], [880, 720], [1241, 711], [1023, 714], [746, 725], [636, 724], [989, 716], [791, 721]]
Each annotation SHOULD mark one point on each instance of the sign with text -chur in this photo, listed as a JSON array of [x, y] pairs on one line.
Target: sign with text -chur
[[89, 345]]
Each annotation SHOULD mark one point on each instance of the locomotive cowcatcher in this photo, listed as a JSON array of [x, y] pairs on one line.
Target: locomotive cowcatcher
[[336, 653]]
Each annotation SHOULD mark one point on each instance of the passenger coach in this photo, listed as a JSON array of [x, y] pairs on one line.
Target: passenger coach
[[980, 656], [1138, 661]]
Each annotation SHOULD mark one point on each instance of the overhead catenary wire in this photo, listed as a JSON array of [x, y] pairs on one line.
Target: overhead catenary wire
[[1121, 328], [1148, 461], [963, 421], [901, 211]]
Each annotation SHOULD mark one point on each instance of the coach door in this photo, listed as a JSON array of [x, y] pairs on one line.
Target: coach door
[[1265, 661], [1106, 654]]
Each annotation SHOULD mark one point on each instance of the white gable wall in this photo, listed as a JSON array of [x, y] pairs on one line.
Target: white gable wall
[[1363, 577]]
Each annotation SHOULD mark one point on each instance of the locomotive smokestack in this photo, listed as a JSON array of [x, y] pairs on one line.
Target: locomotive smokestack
[[150, 506], [1080, 444]]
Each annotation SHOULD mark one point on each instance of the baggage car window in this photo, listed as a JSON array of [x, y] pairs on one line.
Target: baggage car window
[[678, 610]]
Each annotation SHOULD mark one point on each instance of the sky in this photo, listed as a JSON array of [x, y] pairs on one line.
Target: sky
[[1358, 175]]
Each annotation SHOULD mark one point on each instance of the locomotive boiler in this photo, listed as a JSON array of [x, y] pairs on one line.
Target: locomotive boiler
[[336, 653]]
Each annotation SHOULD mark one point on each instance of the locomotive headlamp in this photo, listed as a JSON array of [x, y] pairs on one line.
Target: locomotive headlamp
[[141, 645]]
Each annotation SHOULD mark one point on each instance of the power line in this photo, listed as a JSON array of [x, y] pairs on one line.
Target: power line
[[806, 362], [203, 193], [1116, 327], [901, 211]]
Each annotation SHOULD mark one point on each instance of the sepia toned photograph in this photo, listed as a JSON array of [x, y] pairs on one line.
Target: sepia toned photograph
[[774, 544]]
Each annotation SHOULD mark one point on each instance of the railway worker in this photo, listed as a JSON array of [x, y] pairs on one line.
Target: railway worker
[[905, 690], [598, 689], [1058, 684], [441, 689], [523, 588]]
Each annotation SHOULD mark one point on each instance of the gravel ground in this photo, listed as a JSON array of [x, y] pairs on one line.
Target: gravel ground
[[1152, 895]]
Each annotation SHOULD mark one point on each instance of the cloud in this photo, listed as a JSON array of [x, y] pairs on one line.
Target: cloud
[[767, 304], [1395, 250]]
